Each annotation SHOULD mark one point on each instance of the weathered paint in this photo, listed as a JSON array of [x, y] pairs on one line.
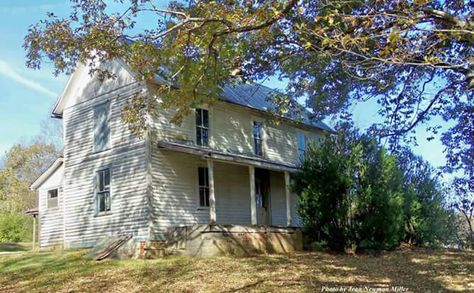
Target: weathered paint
[[153, 190]]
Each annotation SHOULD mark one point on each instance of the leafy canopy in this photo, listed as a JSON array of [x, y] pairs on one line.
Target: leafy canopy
[[414, 57]]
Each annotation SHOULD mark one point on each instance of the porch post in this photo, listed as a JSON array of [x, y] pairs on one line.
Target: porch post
[[253, 203], [212, 196], [34, 233], [288, 198]]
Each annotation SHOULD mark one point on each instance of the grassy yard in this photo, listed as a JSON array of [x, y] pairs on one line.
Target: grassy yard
[[415, 271]]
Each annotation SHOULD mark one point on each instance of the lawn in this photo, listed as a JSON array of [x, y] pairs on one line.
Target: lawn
[[411, 271]]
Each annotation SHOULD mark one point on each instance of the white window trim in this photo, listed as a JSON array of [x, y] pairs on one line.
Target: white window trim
[[47, 197], [263, 138], [196, 184], [95, 201], [305, 137], [210, 127]]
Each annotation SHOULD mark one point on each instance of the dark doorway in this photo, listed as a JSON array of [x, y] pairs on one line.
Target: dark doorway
[[262, 196]]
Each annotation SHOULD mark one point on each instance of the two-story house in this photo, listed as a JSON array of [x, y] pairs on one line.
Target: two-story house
[[225, 168]]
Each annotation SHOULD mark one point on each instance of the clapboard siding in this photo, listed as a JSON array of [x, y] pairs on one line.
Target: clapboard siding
[[175, 199], [51, 218], [126, 159], [231, 131]]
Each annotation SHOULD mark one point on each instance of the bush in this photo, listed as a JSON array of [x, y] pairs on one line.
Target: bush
[[15, 227], [354, 194]]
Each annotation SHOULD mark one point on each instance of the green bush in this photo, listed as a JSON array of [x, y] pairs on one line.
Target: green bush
[[354, 194], [15, 227]]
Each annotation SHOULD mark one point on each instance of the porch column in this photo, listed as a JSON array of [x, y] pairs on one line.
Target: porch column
[[288, 198], [34, 233], [212, 196], [253, 203]]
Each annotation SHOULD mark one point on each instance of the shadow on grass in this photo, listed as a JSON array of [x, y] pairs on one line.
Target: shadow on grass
[[418, 271], [13, 246]]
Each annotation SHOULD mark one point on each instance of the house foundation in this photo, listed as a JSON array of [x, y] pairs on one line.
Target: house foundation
[[238, 240]]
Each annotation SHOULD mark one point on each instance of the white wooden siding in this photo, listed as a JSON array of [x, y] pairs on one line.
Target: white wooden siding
[[126, 159], [231, 131], [51, 219]]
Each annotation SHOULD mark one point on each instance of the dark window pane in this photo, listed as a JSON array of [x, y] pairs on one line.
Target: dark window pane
[[205, 118], [198, 117], [53, 193], [205, 137], [198, 136], [201, 176], [107, 177]]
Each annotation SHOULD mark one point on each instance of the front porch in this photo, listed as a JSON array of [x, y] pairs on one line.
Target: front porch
[[260, 187]]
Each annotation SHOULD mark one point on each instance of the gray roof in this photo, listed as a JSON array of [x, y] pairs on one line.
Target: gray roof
[[259, 97]]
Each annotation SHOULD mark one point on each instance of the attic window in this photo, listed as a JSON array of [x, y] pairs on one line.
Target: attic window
[[52, 198], [202, 127], [101, 127]]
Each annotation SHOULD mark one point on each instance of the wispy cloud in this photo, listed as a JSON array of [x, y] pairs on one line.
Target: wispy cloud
[[7, 71]]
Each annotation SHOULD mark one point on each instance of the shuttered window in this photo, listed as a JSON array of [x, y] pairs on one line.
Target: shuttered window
[[52, 198], [258, 137], [103, 190], [202, 127], [203, 174], [101, 127]]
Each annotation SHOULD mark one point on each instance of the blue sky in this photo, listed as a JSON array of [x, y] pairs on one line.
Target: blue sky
[[27, 95]]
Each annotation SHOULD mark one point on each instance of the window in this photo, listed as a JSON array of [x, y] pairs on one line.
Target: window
[[101, 127], [301, 142], [52, 198], [203, 186], [103, 191], [258, 137], [202, 127]]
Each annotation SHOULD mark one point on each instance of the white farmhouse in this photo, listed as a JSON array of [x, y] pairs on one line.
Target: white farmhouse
[[220, 178]]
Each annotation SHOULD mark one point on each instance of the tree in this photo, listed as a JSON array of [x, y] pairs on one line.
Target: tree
[[355, 193], [20, 167], [413, 56], [427, 213]]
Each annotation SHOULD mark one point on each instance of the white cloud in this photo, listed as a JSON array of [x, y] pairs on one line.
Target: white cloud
[[8, 71]]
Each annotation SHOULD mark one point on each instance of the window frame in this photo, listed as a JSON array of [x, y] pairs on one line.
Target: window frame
[[48, 198], [204, 187], [301, 151], [258, 141], [106, 105], [107, 192], [201, 127]]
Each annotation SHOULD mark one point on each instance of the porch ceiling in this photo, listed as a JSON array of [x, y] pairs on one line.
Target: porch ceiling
[[226, 157]]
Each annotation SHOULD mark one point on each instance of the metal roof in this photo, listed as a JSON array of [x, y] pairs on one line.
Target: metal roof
[[259, 97]]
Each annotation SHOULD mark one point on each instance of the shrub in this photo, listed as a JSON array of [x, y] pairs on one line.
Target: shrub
[[15, 227]]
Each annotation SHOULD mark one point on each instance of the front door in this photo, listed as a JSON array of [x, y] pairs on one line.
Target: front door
[[262, 191]]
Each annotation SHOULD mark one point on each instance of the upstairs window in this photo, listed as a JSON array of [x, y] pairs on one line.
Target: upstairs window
[[258, 137], [302, 143], [101, 127], [202, 127], [203, 174], [103, 191], [52, 198]]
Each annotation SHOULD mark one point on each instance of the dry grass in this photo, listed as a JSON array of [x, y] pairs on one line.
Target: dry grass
[[415, 271]]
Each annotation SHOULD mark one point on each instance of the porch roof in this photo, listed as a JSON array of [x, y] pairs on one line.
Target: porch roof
[[226, 156]]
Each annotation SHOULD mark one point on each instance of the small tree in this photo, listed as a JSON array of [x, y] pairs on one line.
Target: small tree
[[324, 184]]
